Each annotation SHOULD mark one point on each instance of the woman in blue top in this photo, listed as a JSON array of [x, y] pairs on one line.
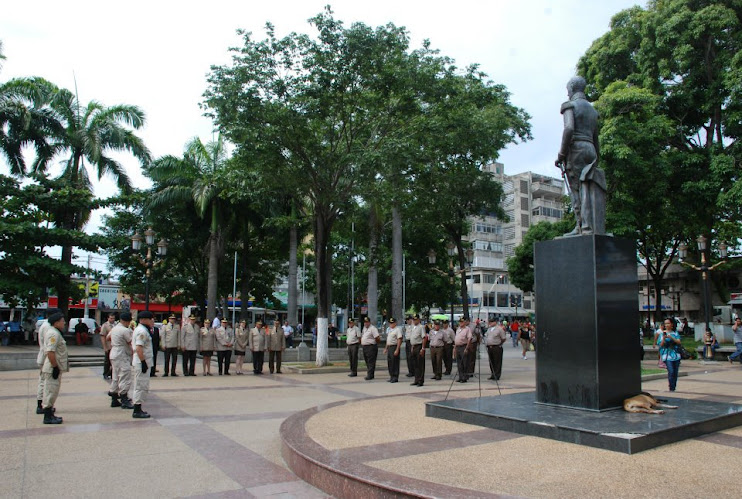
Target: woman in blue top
[[667, 342]]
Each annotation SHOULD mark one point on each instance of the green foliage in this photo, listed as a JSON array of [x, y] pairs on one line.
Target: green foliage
[[28, 228], [520, 265]]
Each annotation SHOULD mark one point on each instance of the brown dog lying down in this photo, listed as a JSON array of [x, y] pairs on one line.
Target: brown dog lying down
[[644, 402]]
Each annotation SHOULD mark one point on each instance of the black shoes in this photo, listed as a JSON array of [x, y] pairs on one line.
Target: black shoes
[[50, 418], [368, 378], [126, 402], [409, 375], [352, 375], [39, 409], [139, 413]]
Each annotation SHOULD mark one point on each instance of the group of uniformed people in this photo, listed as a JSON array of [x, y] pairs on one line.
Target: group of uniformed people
[[445, 345]]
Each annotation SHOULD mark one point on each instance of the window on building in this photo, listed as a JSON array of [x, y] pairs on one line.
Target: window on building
[[502, 279], [526, 303], [509, 233], [477, 278], [488, 278], [524, 203], [524, 186], [502, 300], [524, 220], [509, 249]]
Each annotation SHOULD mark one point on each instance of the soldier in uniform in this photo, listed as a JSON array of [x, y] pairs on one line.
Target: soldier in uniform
[[369, 343], [170, 344], [121, 354], [462, 341], [276, 346], [393, 348], [40, 358], [154, 333], [188, 342], [207, 344], [578, 160], [476, 336], [353, 335], [448, 339], [241, 338], [55, 363], [436, 337], [140, 361], [104, 330], [408, 347], [496, 336], [224, 342], [418, 342], [258, 345]]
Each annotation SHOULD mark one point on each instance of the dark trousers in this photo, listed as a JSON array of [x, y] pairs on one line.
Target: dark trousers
[[353, 356], [448, 357], [289, 341], [418, 363], [461, 356], [257, 362], [189, 362], [223, 358], [408, 355], [494, 352], [171, 358], [436, 359], [107, 365], [471, 359], [274, 354], [393, 362], [673, 366], [370, 352]]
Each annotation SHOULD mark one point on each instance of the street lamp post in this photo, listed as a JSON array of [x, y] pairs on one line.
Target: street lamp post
[[148, 261], [704, 269]]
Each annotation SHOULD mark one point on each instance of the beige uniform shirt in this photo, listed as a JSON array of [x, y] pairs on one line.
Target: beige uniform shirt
[[223, 341], [495, 336], [392, 335], [257, 341], [369, 335], [448, 336], [417, 333], [104, 330], [437, 338], [171, 336], [120, 342], [208, 340], [144, 340], [188, 338], [353, 335], [277, 340], [54, 342], [42, 351], [241, 339]]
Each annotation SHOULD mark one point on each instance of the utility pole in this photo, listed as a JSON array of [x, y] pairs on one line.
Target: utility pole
[[87, 288]]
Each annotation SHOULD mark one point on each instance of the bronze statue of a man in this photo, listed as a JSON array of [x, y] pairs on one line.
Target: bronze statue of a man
[[578, 160]]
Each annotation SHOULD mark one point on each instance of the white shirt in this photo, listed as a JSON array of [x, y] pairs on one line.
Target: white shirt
[[288, 330], [144, 340]]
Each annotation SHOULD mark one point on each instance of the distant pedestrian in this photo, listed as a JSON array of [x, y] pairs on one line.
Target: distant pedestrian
[[353, 340], [667, 341], [288, 331], [524, 336], [514, 332], [737, 329], [496, 337]]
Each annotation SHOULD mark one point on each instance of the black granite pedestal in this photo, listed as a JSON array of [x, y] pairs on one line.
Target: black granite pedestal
[[618, 431]]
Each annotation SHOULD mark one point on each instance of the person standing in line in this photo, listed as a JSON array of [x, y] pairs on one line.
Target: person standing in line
[[141, 359], [393, 348], [353, 335], [408, 347], [476, 339], [276, 346], [496, 337], [437, 339], [240, 345], [106, 345], [461, 344], [418, 342], [369, 343], [188, 341], [154, 334], [170, 345], [258, 345], [40, 358], [448, 339], [288, 331], [668, 341], [207, 343], [737, 329], [223, 348], [55, 363], [121, 354]]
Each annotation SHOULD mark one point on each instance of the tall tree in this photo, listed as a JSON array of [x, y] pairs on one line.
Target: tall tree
[[197, 178]]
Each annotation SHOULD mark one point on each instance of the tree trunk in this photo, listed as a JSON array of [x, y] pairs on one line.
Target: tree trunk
[[213, 275], [293, 288], [63, 293], [464, 288], [397, 257], [657, 280], [244, 282], [373, 271], [321, 238]]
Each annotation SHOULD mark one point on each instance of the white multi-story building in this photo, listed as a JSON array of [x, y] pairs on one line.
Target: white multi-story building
[[529, 198]]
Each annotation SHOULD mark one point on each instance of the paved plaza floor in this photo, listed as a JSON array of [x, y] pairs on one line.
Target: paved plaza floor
[[232, 436]]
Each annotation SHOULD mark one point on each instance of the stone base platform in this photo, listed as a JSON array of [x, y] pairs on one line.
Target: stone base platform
[[614, 430]]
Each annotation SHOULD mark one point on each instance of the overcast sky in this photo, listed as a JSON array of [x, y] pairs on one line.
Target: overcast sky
[[155, 54]]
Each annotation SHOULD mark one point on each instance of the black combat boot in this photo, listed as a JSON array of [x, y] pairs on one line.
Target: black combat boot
[[114, 399], [139, 413], [126, 402], [39, 409], [50, 418]]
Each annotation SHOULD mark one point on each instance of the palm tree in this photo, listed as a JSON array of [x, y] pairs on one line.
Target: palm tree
[[196, 178]]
